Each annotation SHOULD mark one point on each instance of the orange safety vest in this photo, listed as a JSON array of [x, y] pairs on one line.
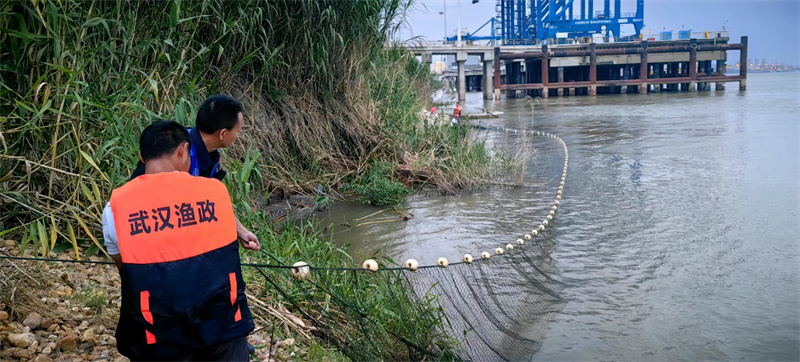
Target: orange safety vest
[[457, 112], [182, 285]]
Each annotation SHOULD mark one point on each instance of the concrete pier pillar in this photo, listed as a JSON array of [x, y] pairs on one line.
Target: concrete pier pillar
[[701, 86], [462, 81], [461, 59], [561, 80], [496, 75], [545, 71], [593, 68], [684, 73], [743, 65], [513, 75], [426, 60], [693, 66], [626, 74], [522, 75], [488, 71], [721, 69], [644, 69], [656, 75]]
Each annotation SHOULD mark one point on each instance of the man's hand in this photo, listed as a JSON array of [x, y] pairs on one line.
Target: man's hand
[[249, 240]]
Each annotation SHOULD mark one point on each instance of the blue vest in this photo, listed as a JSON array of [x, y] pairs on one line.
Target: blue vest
[[194, 169]]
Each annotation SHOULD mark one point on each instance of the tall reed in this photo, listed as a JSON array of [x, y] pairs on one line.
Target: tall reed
[[325, 98]]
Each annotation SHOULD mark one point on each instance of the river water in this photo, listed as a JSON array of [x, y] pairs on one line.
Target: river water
[[678, 229]]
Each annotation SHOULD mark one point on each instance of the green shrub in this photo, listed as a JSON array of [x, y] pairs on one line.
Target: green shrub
[[376, 186]]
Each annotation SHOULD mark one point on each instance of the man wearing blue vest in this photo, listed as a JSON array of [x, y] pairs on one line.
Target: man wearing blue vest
[[218, 122], [173, 237]]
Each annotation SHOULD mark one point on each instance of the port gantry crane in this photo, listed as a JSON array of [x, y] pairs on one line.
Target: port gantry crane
[[535, 21]]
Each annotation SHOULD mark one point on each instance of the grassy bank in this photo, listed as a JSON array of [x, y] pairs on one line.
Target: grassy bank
[[360, 316], [329, 107]]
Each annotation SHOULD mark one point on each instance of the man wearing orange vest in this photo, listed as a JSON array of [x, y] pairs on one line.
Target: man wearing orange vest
[[173, 238], [457, 113]]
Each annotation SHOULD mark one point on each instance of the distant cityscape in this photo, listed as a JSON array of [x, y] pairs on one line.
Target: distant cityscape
[[763, 67]]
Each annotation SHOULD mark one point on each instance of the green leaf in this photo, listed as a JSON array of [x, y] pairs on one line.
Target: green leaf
[[173, 14], [91, 162], [86, 192], [97, 195], [93, 22], [42, 244]]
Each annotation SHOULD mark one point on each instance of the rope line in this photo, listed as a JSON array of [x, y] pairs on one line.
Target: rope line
[[489, 311], [254, 265], [542, 227]]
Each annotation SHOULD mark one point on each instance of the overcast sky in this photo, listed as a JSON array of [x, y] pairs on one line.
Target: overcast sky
[[771, 25]]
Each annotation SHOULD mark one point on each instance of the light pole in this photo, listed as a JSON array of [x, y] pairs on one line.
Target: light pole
[[458, 30], [445, 26], [444, 11]]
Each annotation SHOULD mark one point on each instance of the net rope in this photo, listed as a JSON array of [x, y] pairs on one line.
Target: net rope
[[495, 304]]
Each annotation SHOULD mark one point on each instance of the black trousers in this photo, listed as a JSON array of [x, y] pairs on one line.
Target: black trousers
[[235, 350], [232, 351]]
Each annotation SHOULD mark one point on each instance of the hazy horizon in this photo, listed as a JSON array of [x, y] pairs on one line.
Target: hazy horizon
[[771, 25]]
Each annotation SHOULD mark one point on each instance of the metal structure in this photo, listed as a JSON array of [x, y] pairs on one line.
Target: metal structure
[[534, 21], [494, 25]]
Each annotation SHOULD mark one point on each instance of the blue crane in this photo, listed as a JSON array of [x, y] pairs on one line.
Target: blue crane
[[532, 21], [492, 22]]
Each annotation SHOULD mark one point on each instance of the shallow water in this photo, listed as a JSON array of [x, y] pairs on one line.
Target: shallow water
[[678, 229]]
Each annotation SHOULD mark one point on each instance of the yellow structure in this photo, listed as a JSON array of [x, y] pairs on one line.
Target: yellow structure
[[439, 67]]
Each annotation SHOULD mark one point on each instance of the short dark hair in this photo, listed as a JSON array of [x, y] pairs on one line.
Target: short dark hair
[[218, 112], [161, 138]]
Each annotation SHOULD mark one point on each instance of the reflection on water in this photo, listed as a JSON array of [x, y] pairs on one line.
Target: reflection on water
[[678, 228]]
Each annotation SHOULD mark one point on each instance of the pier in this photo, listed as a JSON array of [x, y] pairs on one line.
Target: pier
[[596, 68]]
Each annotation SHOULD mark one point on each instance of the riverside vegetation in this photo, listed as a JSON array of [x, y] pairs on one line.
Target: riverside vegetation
[[330, 107]]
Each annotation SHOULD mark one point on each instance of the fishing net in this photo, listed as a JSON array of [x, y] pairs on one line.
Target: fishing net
[[492, 305]]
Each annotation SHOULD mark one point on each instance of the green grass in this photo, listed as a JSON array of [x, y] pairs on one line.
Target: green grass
[[92, 297], [376, 186], [365, 316], [316, 352]]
